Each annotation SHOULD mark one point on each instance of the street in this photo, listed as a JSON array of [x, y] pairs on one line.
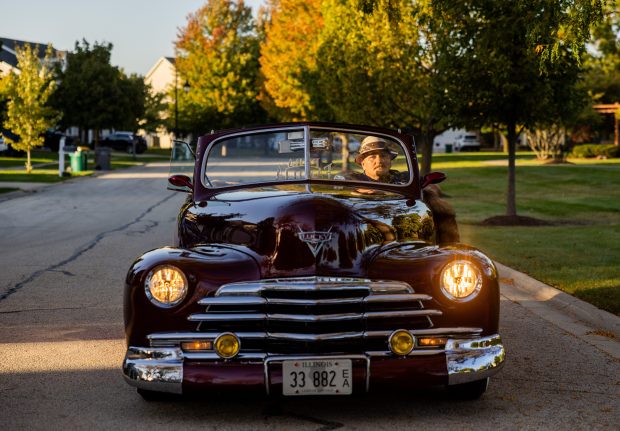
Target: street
[[65, 253]]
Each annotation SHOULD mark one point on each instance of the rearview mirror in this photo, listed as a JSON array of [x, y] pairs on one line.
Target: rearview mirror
[[432, 178]]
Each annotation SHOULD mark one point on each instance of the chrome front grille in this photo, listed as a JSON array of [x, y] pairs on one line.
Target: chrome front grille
[[314, 314]]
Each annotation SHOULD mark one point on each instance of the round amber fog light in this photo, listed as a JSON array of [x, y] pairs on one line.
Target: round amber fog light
[[401, 342], [227, 345]]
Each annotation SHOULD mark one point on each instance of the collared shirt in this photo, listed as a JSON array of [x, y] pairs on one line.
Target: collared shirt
[[392, 177]]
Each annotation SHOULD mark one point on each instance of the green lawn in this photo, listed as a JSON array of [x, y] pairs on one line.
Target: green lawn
[[36, 157], [49, 173], [579, 253]]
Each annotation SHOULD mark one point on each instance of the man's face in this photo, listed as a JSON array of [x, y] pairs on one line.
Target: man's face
[[377, 164]]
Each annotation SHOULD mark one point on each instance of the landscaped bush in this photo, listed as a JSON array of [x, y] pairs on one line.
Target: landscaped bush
[[595, 150]]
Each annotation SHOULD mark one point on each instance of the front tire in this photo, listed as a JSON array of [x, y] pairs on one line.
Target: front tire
[[468, 391]]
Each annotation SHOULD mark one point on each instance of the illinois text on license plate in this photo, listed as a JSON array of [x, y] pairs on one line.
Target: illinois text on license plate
[[317, 377]]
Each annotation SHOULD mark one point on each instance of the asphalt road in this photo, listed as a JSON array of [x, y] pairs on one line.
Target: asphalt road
[[65, 251]]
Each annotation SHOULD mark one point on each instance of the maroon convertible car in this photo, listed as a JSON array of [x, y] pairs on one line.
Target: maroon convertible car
[[297, 271]]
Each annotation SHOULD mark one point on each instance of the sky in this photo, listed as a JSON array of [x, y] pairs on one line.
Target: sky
[[141, 31]]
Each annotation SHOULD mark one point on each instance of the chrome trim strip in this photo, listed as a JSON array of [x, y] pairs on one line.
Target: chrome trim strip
[[316, 337], [191, 336], [218, 317], [307, 159], [470, 360], [240, 300], [162, 339], [208, 356], [154, 369], [414, 352], [257, 300], [402, 313], [397, 298], [311, 302], [447, 331], [315, 318], [314, 284]]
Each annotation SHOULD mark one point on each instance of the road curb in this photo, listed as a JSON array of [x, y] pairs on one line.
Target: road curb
[[595, 326]]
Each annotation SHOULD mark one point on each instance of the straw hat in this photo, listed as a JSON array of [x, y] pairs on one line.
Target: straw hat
[[372, 144]]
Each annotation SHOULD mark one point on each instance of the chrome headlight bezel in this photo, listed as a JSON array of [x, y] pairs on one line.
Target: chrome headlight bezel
[[148, 286], [475, 289]]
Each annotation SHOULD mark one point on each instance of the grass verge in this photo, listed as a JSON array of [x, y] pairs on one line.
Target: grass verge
[[49, 173], [578, 254]]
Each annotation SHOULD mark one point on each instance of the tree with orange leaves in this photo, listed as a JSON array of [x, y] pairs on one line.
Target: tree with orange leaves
[[217, 53], [288, 59]]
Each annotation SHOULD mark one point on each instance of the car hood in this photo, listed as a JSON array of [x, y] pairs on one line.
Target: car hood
[[302, 229]]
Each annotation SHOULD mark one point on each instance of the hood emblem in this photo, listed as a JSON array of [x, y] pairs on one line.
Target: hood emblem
[[314, 239]]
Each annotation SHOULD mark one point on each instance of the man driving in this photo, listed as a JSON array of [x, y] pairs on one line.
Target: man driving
[[375, 157]]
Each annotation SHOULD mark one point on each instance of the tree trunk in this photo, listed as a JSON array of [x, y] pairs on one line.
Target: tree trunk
[[426, 151], [28, 164], [511, 196], [96, 139]]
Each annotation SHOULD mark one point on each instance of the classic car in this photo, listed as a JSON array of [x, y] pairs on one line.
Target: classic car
[[124, 141], [297, 273]]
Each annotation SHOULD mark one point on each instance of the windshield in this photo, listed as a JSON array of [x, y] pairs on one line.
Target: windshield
[[302, 153]]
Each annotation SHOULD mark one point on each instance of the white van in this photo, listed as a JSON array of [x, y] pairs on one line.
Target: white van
[[456, 140]]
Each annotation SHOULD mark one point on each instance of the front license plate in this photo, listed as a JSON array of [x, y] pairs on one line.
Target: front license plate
[[317, 377]]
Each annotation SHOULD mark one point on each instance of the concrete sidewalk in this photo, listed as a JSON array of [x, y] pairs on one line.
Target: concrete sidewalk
[[23, 186], [592, 325]]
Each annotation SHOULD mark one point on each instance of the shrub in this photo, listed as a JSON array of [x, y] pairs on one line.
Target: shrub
[[595, 150]]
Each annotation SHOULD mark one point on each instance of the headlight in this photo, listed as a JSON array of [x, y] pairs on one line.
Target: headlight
[[165, 286], [460, 280]]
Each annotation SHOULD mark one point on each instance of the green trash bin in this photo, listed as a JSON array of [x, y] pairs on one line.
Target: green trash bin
[[448, 148], [78, 161]]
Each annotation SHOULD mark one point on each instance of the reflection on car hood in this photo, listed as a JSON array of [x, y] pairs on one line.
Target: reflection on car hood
[[305, 229]]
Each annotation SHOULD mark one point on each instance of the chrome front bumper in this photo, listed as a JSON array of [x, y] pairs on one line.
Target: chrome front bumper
[[161, 368]]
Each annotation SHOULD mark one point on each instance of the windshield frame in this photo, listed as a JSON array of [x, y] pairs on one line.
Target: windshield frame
[[411, 188]]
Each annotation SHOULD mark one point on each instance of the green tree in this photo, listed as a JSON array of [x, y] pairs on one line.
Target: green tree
[[93, 94], [602, 66], [513, 64], [601, 78], [217, 52], [353, 61], [28, 112], [376, 63]]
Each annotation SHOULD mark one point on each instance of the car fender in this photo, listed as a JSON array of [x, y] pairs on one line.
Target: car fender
[[421, 265], [206, 267]]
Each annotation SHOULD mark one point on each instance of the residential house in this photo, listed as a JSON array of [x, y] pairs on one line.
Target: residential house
[[8, 55], [161, 77]]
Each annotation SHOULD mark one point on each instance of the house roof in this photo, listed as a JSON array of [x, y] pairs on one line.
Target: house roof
[[159, 62], [9, 56]]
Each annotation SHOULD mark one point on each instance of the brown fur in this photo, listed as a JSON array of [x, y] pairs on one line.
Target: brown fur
[[444, 215]]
